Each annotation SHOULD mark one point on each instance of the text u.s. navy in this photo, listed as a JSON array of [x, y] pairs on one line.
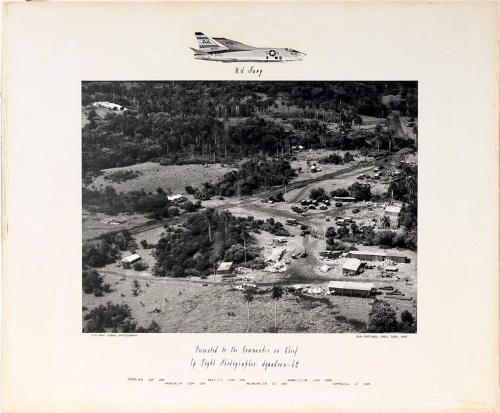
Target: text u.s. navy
[[252, 70], [220, 49]]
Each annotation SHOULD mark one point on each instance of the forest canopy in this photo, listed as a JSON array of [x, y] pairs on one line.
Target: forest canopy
[[206, 121]]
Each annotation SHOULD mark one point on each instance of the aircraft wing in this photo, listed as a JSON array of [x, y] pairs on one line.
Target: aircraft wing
[[233, 45]]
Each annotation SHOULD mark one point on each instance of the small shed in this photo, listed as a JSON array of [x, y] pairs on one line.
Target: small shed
[[344, 198], [225, 268], [352, 266], [176, 198], [355, 289], [131, 259], [378, 256], [368, 255]]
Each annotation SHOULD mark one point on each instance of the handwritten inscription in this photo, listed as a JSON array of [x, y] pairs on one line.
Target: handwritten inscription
[[250, 70], [245, 357]]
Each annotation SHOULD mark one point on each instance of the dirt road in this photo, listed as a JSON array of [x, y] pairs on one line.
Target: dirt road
[[257, 197]]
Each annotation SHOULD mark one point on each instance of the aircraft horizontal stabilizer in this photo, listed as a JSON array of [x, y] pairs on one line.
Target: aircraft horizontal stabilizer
[[196, 51]]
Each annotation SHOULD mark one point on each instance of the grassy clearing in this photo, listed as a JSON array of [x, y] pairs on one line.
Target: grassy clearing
[[168, 177], [180, 307]]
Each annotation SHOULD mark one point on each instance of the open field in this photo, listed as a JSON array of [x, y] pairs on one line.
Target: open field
[[194, 307], [183, 306], [167, 177], [96, 224]]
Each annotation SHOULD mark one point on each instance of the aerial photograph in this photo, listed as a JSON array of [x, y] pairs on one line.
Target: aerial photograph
[[249, 206]]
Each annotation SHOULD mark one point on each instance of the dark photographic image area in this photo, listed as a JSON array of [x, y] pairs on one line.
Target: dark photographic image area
[[249, 206]]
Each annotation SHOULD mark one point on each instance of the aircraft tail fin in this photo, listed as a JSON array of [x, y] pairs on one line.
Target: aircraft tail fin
[[207, 43]]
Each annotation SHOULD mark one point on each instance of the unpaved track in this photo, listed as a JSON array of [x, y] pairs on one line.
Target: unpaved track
[[254, 198]]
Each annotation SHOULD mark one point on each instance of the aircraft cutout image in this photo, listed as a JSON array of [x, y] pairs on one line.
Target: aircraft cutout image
[[220, 49]]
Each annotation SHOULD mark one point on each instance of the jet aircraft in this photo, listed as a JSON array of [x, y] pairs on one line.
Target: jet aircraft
[[220, 49]]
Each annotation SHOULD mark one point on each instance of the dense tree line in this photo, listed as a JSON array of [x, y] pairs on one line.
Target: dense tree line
[[252, 175], [195, 120], [156, 205], [222, 98], [404, 187], [111, 202], [208, 237]]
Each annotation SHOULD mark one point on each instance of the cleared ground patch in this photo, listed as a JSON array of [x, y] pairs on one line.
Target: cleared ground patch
[[167, 177]]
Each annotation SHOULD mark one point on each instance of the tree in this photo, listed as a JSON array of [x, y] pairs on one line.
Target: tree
[[140, 266], [340, 192], [276, 294], [248, 296], [92, 115], [385, 222], [408, 324], [348, 157], [188, 206], [357, 121], [342, 232], [173, 211], [116, 318], [362, 192], [318, 194], [382, 318], [190, 190], [330, 235], [406, 317], [152, 328], [236, 253], [92, 282], [136, 288]]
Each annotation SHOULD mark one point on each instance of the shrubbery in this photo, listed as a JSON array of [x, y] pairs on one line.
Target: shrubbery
[[106, 249], [362, 192], [122, 176], [140, 266], [99, 253], [318, 194], [382, 319], [92, 283], [337, 159], [114, 318], [340, 192], [252, 175], [110, 202]]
